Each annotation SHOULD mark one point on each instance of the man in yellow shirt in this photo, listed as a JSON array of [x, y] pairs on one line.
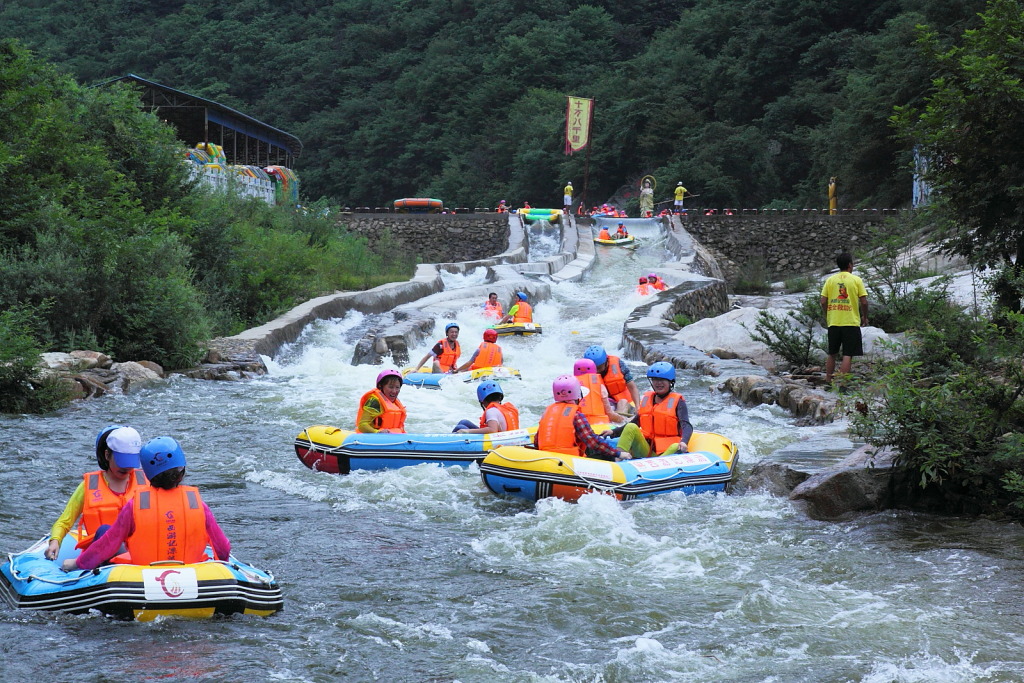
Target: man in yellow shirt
[[844, 303], [680, 194], [567, 198]]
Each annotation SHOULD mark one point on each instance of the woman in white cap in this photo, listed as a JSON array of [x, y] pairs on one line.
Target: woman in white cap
[[101, 493]]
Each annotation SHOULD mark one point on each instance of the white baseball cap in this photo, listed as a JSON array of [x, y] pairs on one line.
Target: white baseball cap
[[125, 443]]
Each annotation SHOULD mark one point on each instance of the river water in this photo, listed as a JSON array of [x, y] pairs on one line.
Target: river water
[[421, 574]]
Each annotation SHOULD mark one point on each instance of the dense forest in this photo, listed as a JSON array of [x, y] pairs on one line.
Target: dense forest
[[750, 104]]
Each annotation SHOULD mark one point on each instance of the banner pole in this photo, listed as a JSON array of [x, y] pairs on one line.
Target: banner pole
[[586, 162]]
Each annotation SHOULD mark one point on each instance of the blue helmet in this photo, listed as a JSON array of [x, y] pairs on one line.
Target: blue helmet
[[597, 354], [487, 388], [522, 296], [161, 454], [662, 370], [450, 326]]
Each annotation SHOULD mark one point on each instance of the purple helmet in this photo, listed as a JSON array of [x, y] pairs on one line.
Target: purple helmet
[[387, 373], [566, 388], [584, 366]]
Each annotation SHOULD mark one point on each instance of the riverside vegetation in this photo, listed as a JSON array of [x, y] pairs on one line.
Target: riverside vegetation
[[105, 245]]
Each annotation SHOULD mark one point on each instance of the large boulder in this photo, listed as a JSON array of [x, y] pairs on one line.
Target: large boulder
[[859, 483]]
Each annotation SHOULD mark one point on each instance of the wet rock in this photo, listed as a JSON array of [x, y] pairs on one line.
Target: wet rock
[[134, 373], [774, 478], [860, 483], [155, 367], [798, 396], [92, 359], [90, 385]]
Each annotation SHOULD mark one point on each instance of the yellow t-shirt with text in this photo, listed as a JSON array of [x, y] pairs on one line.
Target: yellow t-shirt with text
[[843, 291], [680, 191]]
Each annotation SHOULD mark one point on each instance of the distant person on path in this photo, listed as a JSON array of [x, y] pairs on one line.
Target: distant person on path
[[844, 303], [502, 207], [521, 311], [567, 197], [492, 307], [680, 195]]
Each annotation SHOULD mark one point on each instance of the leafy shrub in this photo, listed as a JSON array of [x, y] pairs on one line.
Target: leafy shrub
[[681, 320], [956, 422], [797, 285], [792, 337], [752, 277], [23, 389]]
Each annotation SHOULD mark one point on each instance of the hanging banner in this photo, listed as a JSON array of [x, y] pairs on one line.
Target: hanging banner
[[579, 113]]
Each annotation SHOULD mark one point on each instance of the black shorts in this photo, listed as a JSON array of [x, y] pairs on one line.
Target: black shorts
[[847, 338]]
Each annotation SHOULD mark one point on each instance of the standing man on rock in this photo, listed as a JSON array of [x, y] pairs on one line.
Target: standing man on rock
[[680, 195], [567, 198], [844, 303]]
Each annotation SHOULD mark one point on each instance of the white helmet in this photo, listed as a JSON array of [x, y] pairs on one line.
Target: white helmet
[[679, 184]]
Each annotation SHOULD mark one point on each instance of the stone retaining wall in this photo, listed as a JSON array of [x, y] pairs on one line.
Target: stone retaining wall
[[786, 244], [436, 238]]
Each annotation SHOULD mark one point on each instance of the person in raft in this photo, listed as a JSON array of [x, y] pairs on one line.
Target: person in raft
[[379, 409], [163, 522], [497, 417], [604, 234], [643, 287], [487, 355], [492, 307], [656, 282], [661, 425], [564, 428], [521, 311], [621, 232], [596, 404], [445, 352], [616, 376], [102, 493], [502, 207]]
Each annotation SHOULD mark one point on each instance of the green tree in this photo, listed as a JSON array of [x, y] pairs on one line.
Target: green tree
[[971, 130]]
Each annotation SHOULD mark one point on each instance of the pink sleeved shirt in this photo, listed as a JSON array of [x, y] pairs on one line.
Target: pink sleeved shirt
[[106, 547]]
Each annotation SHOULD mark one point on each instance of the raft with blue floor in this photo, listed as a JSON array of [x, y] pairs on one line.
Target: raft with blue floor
[[339, 451], [141, 592], [435, 380], [533, 474]]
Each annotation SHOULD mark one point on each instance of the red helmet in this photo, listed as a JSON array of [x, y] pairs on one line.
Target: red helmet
[[490, 335], [643, 281]]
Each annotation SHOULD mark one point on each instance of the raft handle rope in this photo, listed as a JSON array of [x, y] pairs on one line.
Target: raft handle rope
[[604, 488]]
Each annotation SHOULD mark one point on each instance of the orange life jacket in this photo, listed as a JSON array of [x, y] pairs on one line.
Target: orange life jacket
[[643, 289], [524, 314], [593, 403], [169, 525], [604, 234], [489, 356], [493, 310], [392, 418], [615, 381], [556, 433], [100, 505], [510, 412], [449, 357], [659, 422], [659, 285]]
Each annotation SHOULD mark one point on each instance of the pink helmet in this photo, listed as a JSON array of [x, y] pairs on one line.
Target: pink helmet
[[387, 373], [652, 276], [584, 366], [566, 388]]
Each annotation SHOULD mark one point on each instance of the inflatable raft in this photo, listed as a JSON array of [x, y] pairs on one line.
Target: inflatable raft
[[532, 474], [434, 380], [617, 242], [550, 215], [419, 205], [518, 329], [339, 451], [142, 592]]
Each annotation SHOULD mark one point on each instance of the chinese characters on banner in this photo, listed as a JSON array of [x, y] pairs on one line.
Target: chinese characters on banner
[[578, 114]]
